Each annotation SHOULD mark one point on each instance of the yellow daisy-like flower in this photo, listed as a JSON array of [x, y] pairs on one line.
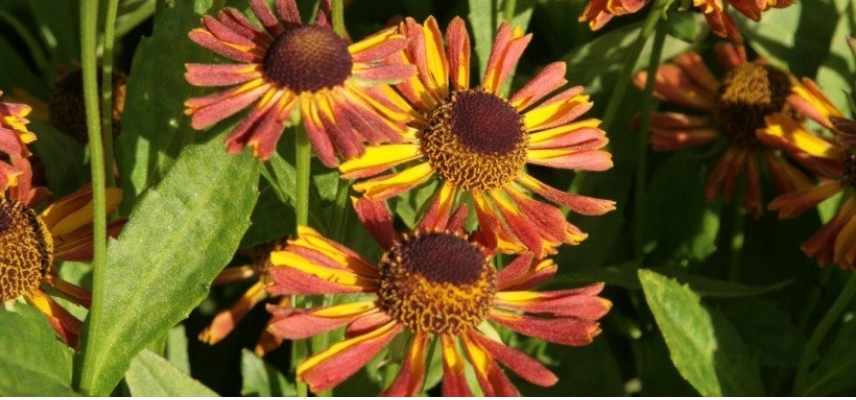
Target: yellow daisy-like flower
[[31, 243], [288, 67], [473, 140]]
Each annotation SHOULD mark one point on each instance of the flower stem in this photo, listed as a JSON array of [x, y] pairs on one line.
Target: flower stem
[[841, 303], [302, 163], [107, 88], [508, 11], [88, 27], [132, 19], [624, 76], [642, 150]]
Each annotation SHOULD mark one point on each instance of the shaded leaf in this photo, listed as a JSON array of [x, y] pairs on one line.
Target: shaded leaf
[[262, 379], [63, 159], [834, 374], [150, 375], [703, 345]]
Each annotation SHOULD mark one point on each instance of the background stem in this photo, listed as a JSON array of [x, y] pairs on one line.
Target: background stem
[[107, 88], [88, 27], [642, 150], [508, 11], [822, 329]]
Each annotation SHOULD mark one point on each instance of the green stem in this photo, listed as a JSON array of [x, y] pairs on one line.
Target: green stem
[[339, 18], [642, 150], [302, 163], [88, 25], [129, 21], [107, 87], [509, 9], [626, 73], [841, 303]]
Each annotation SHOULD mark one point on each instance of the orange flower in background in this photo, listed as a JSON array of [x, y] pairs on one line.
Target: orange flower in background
[[835, 163], [288, 68], [598, 12], [475, 141], [732, 108], [225, 321], [435, 283]]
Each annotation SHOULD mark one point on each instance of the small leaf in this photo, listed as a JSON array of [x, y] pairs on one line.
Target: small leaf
[[703, 345], [833, 375], [150, 375], [262, 379], [32, 360], [176, 349]]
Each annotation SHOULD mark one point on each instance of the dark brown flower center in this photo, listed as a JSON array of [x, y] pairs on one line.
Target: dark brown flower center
[[436, 282], [849, 176], [476, 140], [26, 250], [307, 59], [748, 94]]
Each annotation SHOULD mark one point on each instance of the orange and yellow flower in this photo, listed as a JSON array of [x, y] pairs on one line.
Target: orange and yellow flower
[[287, 68], [475, 141], [598, 12], [732, 108], [436, 283], [15, 169], [835, 163]]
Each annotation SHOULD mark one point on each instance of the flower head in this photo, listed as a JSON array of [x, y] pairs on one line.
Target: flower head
[[288, 68], [732, 108], [475, 141], [30, 245], [598, 12], [435, 283], [835, 163]]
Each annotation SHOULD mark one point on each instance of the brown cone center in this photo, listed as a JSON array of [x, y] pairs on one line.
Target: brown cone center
[[26, 250], [308, 59], [748, 94]]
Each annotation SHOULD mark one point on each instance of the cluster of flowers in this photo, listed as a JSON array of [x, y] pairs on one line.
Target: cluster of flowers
[[397, 111]]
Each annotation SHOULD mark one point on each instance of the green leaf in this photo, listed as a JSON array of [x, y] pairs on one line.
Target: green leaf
[[150, 375], [154, 127], [63, 159], [262, 379], [176, 349], [836, 74], [703, 345], [181, 234], [795, 37], [32, 360], [767, 329], [833, 375], [657, 374], [689, 230]]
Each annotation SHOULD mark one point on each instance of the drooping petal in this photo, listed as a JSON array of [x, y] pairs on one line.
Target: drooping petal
[[524, 366], [792, 204], [225, 321], [677, 86], [220, 74], [437, 217], [454, 378], [377, 159], [548, 80], [207, 111], [507, 49], [387, 186], [580, 303], [577, 203], [412, 374], [376, 218], [301, 324], [331, 367], [458, 44], [492, 380], [568, 331]]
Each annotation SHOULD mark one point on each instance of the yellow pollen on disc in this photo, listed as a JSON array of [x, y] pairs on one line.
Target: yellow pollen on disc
[[26, 250], [475, 140], [748, 94], [436, 282]]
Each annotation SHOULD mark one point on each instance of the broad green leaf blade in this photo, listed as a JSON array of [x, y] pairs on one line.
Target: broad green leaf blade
[[262, 379], [150, 375], [154, 127], [180, 235], [63, 158], [703, 345], [836, 74], [33, 362], [834, 374], [176, 349]]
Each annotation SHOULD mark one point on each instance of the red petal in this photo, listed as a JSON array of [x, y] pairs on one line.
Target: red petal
[[524, 366], [567, 331], [377, 220], [412, 374]]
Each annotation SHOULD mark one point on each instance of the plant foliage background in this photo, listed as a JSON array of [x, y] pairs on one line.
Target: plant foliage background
[[683, 323]]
